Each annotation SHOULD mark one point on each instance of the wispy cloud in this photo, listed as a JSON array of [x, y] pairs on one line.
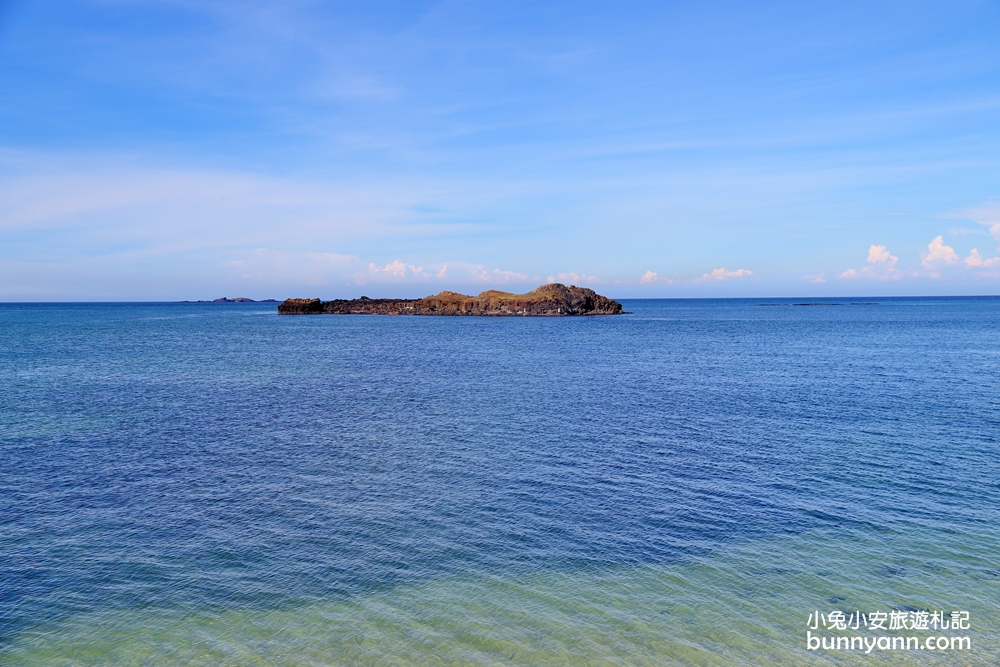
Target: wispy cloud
[[497, 276], [965, 231], [451, 273], [332, 269], [574, 279], [724, 274], [815, 278], [987, 215], [108, 200]]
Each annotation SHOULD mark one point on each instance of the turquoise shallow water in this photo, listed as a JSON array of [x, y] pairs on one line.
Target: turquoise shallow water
[[213, 484]]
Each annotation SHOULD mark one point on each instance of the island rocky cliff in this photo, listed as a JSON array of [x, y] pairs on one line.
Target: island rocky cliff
[[552, 299]]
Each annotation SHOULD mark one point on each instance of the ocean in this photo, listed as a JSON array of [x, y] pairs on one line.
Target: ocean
[[693, 483]]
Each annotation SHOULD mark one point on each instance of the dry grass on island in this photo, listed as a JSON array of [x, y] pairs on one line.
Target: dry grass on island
[[553, 299]]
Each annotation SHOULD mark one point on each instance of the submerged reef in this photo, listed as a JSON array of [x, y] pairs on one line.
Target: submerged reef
[[239, 299], [553, 299]]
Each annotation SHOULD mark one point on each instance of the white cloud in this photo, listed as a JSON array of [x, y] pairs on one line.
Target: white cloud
[[653, 278], [881, 266], [815, 278], [877, 254], [458, 273], [724, 274], [398, 271], [497, 276], [574, 279], [331, 269], [975, 260], [938, 258], [938, 254]]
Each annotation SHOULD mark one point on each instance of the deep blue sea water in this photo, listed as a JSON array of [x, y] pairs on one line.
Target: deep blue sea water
[[685, 484]]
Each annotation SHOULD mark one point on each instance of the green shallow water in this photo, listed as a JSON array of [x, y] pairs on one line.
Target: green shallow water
[[745, 605]]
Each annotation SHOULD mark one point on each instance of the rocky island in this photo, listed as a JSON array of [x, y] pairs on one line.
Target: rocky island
[[553, 299]]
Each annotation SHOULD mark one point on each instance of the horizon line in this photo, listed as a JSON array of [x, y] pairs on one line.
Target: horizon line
[[645, 298]]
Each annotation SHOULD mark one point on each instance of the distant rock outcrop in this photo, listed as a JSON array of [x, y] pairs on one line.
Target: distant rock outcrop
[[552, 299]]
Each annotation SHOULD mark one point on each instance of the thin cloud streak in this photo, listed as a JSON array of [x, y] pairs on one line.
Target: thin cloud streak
[[725, 274]]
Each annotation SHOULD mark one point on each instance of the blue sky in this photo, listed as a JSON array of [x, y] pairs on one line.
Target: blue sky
[[185, 150]]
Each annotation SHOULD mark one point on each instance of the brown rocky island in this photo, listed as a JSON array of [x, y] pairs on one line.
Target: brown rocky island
[[553, 299]]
